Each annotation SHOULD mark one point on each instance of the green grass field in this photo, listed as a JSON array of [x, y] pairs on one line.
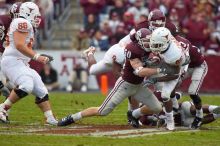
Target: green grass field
[[25, 115]]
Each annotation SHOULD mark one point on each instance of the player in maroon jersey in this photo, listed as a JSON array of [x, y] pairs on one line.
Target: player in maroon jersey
[[5, 21], [129, 84]]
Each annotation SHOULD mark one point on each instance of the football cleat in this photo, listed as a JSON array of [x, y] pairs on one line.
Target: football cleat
[[3, 117], [51, 121], [133, 121], [196, 123], [66, 121], [161, 123], [216, 110]]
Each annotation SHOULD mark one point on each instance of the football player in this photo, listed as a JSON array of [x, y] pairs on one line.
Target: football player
[[170, 52], [18, 52], [129, 84], [197, 70], [185, 116]]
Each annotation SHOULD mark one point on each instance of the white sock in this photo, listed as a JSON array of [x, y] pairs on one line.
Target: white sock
[[216, 116], [137, 113], [211, 108], [7, 104], [199, 113], [48, 114], [170, 114], [77, 116]]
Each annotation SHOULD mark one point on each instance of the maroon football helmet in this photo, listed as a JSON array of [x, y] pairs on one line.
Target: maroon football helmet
[[143, 38], [156, 19], [14, 10]]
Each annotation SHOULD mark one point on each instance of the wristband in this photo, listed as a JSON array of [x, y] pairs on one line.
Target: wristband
[[158, 70], [36, 56], [137, 70]]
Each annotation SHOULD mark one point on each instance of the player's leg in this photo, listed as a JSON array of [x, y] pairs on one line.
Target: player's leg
[[167, 102], [120, 91], [151, 105], [25, 86], [212, 113], [84, 80], [198, 76], [42, 98], [99, 67], [186, 111]]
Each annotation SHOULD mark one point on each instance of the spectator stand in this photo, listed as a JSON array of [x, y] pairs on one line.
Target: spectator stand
[[53, 21]]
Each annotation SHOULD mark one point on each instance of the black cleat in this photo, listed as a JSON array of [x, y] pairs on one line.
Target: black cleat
[[196, 123], [161, 123], [66, 121], [133, 121]]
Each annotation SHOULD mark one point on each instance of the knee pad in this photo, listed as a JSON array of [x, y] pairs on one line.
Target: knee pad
[[196, 99], [20, 93], [39, 100]]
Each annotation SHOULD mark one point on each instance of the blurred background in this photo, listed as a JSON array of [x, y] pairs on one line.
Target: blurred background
[[70, 26]]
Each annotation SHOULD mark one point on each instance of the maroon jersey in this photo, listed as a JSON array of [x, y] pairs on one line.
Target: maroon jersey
[[132, 51], [196, 57], [5, 22]]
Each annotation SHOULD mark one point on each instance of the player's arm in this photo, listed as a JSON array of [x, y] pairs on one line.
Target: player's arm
[[20, 35], [141, 71], [167, 78], [19, 40]]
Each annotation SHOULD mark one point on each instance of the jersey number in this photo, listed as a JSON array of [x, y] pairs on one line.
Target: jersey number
[[127, 54], [22, 26]]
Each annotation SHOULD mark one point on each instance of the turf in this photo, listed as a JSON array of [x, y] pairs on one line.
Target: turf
[[25, 115]]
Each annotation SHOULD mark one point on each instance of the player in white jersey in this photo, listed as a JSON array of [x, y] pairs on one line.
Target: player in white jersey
[[170, 52], [15, 60]]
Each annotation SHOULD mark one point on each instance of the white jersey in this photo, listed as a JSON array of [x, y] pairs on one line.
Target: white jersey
[[115, 51], [21, 25], [175, 55]]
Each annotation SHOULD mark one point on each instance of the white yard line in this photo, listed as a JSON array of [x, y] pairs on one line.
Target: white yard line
[[129, 133]]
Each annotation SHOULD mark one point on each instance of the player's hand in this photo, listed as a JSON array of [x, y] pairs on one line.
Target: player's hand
[[168, 69], [149, 81], [43, 58]]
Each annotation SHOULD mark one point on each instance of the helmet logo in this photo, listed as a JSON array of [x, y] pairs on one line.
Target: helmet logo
[[30, 9], [166, 36]]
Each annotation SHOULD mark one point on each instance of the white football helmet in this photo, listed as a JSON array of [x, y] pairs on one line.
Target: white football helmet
[[160, 39], [30, 11]]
